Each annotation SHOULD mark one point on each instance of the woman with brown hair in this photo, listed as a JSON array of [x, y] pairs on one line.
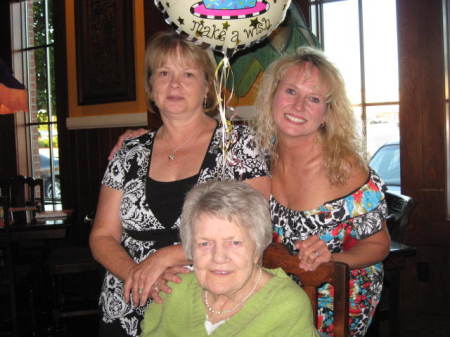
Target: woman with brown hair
[[135, 233]]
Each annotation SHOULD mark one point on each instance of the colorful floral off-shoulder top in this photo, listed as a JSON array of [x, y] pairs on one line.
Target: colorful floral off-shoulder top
[[341, 223]]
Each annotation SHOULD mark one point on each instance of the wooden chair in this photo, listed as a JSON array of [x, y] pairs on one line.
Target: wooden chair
[[71, 265], [388, 312], [21, 194], [400, 207], [336, 273], [19, 197]]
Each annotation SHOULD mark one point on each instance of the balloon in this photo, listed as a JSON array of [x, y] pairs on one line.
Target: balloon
[[224, 25]]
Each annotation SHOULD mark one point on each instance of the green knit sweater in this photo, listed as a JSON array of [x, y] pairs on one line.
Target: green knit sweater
[[281, 308]]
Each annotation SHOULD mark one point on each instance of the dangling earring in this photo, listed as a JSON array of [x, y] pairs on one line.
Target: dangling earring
[[205, 103], [273, 141]]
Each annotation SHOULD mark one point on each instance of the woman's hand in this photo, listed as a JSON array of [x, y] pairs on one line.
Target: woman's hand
[[142, 276], [312, 253], [128, 134], [161, 284]]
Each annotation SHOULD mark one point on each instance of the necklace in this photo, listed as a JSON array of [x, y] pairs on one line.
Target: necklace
[[186, 142], [210, 309]]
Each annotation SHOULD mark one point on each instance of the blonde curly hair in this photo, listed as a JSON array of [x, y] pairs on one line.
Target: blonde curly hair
[[339, 138]]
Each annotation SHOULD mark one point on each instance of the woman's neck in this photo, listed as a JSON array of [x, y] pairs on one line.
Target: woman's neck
[[222, 306], [299, 150], [177, 129]]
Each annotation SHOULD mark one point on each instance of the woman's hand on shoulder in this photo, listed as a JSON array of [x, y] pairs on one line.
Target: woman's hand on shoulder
[[171, 274], [128, 134], [142, 276], [312, 253]]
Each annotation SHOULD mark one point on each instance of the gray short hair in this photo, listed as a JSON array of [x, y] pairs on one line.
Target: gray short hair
[[234, 201]]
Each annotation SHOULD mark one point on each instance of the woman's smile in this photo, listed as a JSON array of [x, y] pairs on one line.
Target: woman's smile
[[224, 256], [220, 272], [299, 107], [294, 118]]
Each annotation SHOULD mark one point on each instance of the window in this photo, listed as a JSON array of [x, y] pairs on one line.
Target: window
[[33, 45], [365, 52]]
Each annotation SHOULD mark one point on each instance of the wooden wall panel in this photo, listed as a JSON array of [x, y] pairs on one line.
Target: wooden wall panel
[[86, 161], [154, 21], [422, 134], [84, 152], [7, 134], [8, 161]]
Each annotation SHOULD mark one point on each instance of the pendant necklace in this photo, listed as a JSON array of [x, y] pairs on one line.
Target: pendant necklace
[[171, 154], [217, 312]]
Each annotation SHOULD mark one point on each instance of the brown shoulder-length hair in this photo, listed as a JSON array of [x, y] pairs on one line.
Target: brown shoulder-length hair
[[341, 143], [170, 44]]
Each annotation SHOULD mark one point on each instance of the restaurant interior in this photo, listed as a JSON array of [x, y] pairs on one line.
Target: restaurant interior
[[56, 141]]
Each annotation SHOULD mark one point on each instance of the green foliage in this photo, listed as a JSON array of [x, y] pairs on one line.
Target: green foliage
[[43, 57], [43, 142]]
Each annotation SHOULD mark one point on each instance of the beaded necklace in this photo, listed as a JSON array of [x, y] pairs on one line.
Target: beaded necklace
[[217, 312]]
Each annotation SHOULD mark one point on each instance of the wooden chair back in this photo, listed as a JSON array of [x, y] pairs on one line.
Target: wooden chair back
[[335, 273], [20, 194], [400, 207]]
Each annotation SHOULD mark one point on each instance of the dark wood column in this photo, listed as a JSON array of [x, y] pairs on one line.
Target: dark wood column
[[8, 165], [423, 150]]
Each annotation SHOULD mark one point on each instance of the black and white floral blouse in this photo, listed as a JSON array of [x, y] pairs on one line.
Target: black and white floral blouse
[[128, 172]]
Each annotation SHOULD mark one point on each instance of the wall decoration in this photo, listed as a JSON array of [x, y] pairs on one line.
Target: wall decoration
[[105, 51]]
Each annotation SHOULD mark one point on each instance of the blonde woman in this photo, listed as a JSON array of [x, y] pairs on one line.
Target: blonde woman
[[326, 204]]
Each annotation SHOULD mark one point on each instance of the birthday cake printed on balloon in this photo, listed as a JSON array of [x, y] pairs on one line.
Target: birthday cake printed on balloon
[[229, 9], [229, 4]]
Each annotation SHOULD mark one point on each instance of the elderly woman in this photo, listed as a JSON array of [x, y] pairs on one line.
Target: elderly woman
[[135, 232], [225, 227], [325, 203]]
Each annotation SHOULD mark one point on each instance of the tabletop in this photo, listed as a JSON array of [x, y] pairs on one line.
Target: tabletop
[[36, 230]]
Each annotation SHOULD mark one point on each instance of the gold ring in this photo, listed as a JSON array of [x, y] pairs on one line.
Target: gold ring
[[140, 291]]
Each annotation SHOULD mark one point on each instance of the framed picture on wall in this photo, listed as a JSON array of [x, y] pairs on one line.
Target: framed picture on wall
[[104, 51]]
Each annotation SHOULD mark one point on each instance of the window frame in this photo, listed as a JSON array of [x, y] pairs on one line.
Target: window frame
[[26, 140], [317, 26]]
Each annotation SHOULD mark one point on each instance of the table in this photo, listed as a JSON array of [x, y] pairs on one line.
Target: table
[[35, 230], [19, 232]]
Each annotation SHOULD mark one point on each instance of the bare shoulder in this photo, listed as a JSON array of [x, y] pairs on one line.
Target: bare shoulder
[[358, 176], [358, 173]]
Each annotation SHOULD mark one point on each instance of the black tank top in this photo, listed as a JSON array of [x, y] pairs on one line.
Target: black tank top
[[166, 198]]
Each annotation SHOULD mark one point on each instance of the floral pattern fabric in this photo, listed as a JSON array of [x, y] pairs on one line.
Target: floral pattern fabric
[[340, 223], [128, 171]]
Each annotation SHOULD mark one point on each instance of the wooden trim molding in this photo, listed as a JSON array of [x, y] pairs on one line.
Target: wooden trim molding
[[110, 121]]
